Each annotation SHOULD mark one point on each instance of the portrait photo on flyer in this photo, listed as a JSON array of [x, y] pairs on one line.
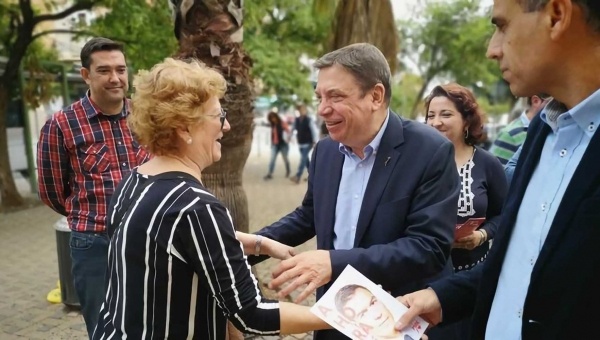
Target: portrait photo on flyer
[[362, 310]]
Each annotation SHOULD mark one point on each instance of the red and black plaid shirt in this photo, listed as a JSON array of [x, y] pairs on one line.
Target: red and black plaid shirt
[[82, 156]]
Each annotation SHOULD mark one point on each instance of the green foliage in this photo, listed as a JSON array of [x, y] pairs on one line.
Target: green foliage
[[145, 28], [276, 34], [493, 109], [449, 40], [38, 87], [6, 10], [404, 93]]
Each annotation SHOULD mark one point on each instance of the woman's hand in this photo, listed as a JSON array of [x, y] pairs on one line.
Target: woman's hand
[[470, 242], [277, 250]]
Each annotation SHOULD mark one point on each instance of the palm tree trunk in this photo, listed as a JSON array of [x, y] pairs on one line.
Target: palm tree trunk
[[211, 31], [370, 21]]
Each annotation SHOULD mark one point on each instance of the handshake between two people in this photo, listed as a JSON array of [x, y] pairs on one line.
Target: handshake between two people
[[313, 269]]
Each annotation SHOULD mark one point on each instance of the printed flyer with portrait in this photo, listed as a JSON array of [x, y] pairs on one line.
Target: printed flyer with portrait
[[362, 310]]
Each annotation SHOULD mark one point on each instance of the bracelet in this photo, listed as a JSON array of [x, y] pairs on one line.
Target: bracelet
[[257, 245], [483, 237]]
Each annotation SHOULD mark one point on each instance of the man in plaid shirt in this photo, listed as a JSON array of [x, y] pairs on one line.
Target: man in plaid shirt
[[84, 151]]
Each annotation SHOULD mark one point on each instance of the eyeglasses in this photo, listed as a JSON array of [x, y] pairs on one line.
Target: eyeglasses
[[222, 116]]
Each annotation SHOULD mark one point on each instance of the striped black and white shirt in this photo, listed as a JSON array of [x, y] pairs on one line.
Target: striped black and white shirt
[[175, 267]]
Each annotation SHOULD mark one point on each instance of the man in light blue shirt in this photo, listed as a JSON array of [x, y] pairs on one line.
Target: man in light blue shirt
[[355, 176], [538, 281], [572, 131]]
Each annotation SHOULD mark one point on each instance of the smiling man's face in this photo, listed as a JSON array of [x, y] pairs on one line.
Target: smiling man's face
[[370, 314], [346, 109], [107, 77]]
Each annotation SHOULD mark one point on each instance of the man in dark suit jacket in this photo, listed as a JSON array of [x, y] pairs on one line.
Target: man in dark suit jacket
[[539, 280], [382, 191]]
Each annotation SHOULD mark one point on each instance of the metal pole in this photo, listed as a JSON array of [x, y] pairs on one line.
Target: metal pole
[[65, 86], [31, 166]]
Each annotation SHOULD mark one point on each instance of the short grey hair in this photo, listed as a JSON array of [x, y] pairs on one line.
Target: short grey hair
[[591, 9], [366, 63]]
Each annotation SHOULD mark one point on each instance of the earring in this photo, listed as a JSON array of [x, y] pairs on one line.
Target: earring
[[189, 141], [466, 134]]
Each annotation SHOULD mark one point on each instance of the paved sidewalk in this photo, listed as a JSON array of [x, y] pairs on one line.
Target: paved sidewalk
[[29, 269]]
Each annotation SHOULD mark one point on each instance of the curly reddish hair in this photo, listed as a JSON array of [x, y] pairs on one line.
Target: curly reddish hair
[[465, 103]]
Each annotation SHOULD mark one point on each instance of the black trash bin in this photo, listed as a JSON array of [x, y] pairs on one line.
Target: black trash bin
[[67, 289]]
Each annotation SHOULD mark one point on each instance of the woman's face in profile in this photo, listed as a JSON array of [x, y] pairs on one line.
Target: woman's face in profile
[[207, 134]]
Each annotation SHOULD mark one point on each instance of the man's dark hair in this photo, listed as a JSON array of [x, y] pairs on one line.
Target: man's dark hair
[[343, 295], [366, 63], [591, 9], [95, 45], [542, 96]]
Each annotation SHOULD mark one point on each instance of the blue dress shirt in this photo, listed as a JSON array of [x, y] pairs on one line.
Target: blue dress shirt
[[563, 150], [355, 176], [509, 168]]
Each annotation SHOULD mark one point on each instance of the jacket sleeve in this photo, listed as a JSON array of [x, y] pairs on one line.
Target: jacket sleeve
[[458, 293], [496, 193], [211, 248]]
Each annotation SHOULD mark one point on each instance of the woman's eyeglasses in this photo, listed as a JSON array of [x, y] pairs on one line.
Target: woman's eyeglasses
[[222, 116]]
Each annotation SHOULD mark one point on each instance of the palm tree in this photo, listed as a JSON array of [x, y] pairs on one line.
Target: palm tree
[[211, 31], [355, 21]]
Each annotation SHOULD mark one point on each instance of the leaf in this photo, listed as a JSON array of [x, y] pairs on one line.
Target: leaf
[[448, 41]]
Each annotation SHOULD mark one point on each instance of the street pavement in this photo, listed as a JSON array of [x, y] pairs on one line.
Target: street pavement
[[29, 266]]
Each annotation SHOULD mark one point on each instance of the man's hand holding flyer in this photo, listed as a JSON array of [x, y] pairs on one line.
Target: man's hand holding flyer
[[362, 310]]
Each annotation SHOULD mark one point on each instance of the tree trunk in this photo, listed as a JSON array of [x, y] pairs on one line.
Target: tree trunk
[[206, 34], [26, 23], [9, 195], [418, 99], [369, 21], [211, 31]]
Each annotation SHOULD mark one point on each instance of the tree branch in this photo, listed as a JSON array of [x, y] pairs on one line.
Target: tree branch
[[78, 6], [58, 31], [84, 33]]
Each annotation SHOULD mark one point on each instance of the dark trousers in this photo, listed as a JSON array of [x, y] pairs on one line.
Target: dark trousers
[[89, 253]]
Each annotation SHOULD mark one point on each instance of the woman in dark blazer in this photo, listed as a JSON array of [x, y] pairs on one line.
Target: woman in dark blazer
[[453, 110]]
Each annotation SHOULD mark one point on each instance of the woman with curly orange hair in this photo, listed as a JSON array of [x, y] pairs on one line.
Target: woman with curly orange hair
[[177, 269]]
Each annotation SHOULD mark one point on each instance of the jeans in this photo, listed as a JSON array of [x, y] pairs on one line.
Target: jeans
[[89, 253], [276, 149], [304, 160]]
